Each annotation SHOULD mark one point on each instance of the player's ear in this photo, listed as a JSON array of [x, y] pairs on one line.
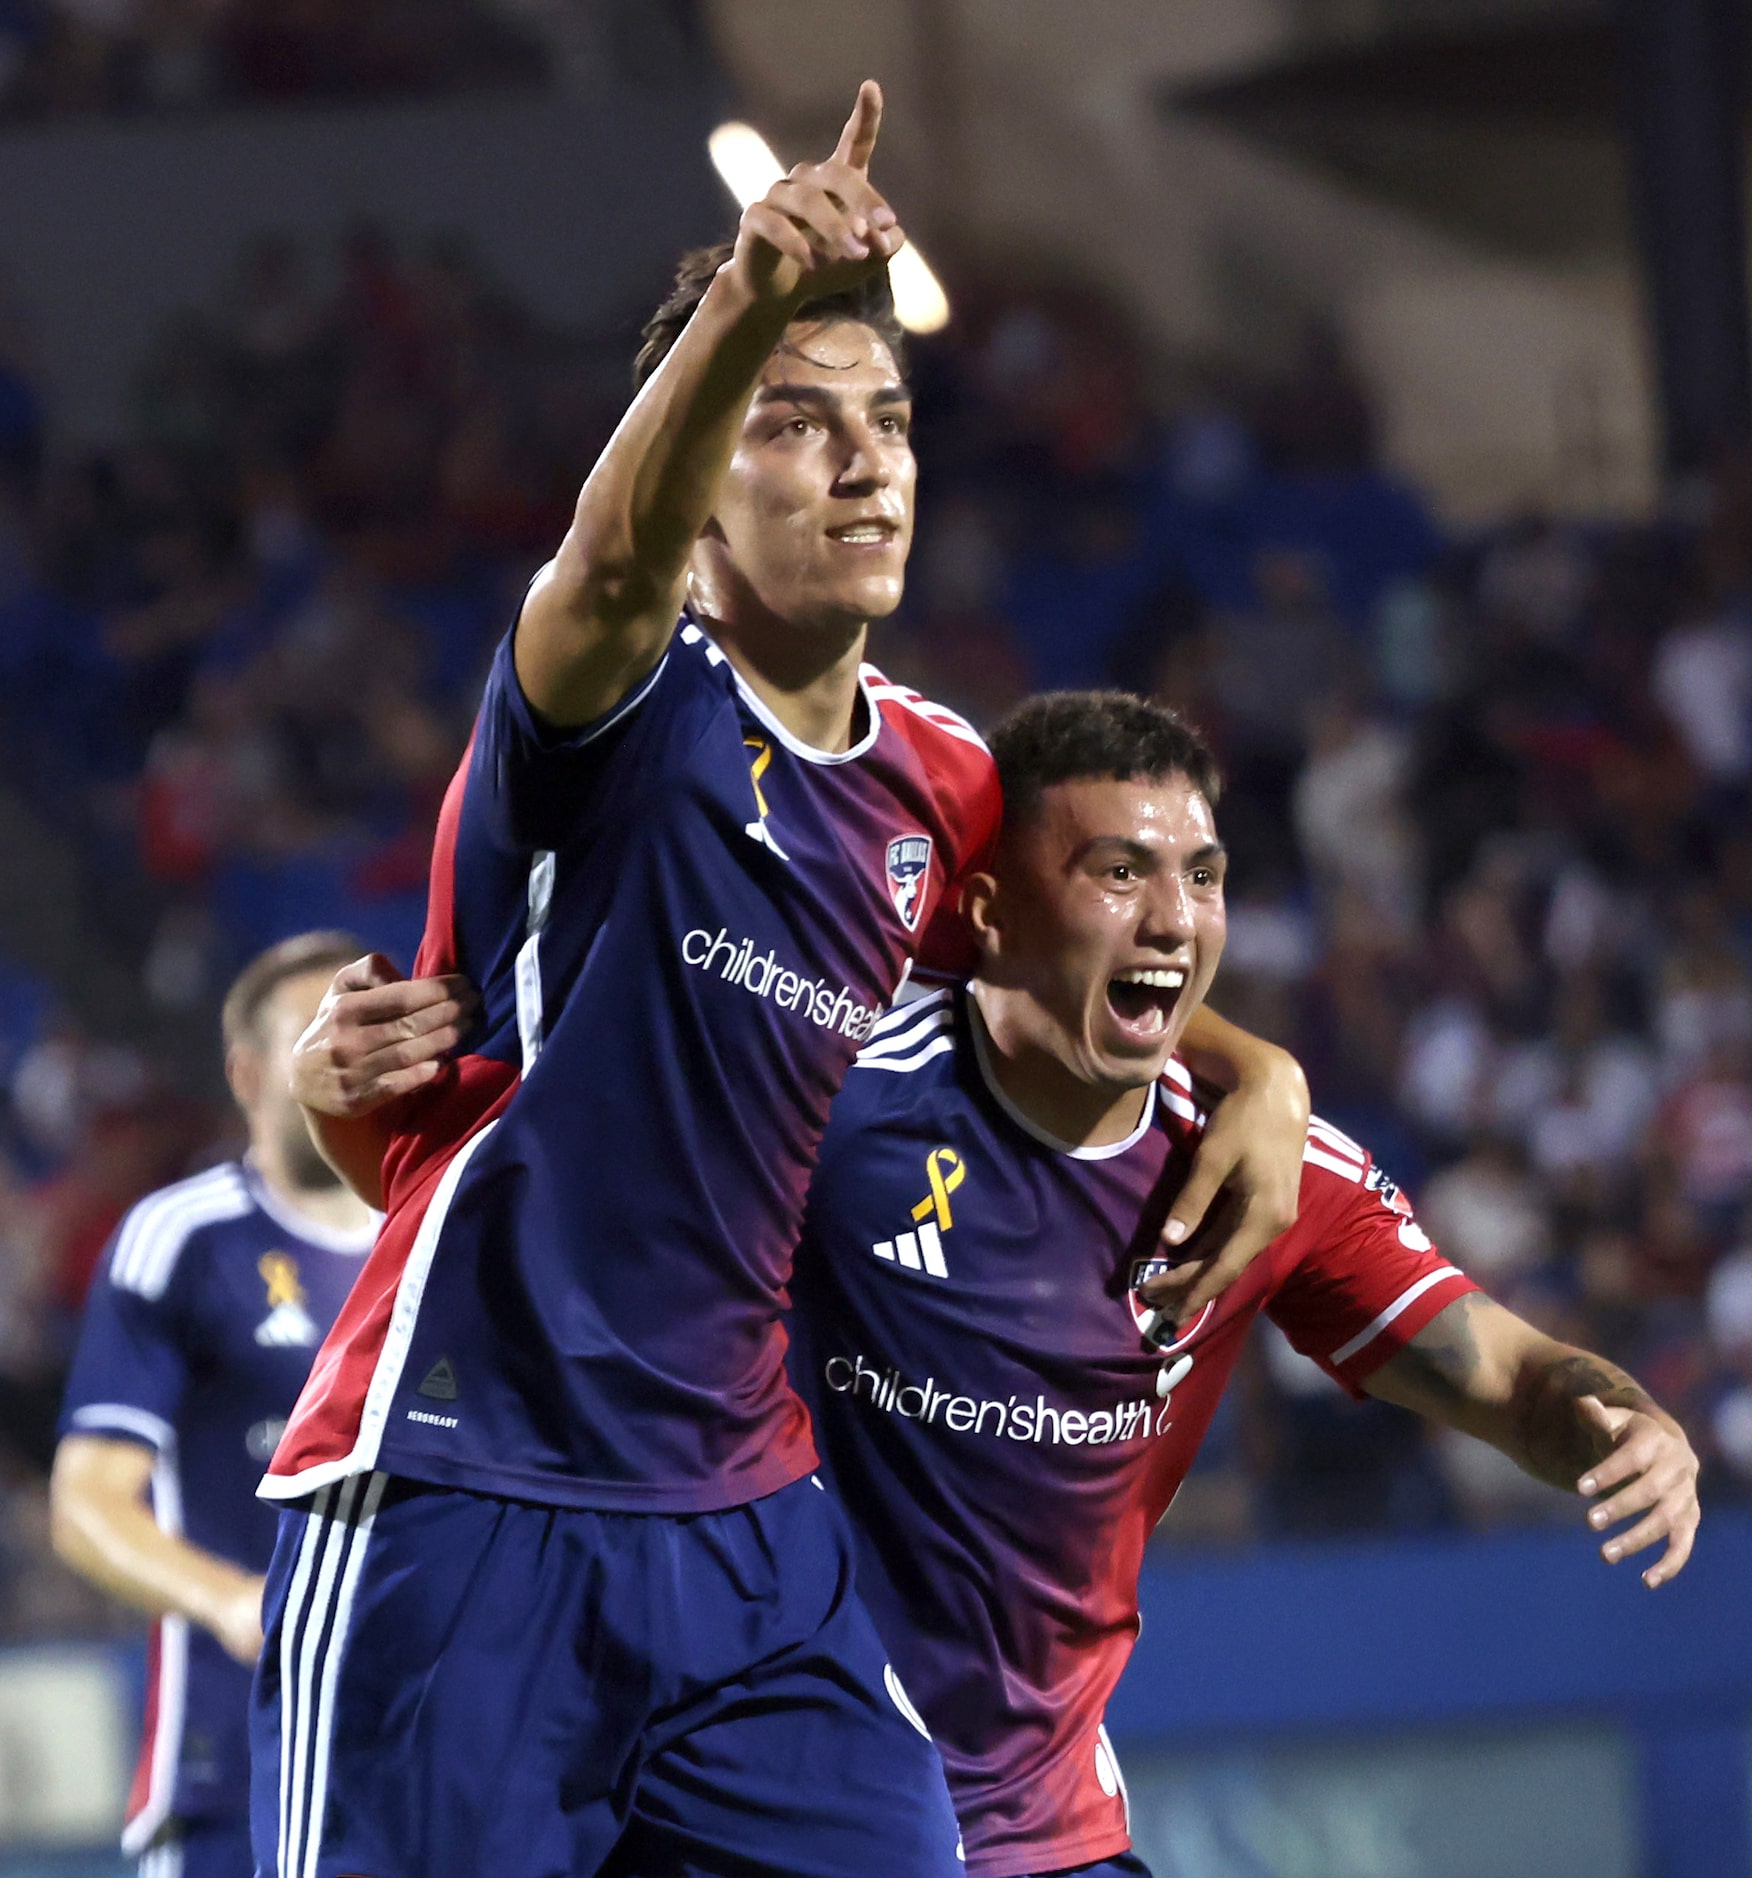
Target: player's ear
[[243, 1071], [982, 908]]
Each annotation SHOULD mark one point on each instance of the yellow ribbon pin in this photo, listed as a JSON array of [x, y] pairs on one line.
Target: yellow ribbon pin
[[763, 758], [280, 1270], [937, 1200]]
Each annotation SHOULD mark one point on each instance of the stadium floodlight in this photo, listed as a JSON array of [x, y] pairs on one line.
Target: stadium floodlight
[[745, 160]]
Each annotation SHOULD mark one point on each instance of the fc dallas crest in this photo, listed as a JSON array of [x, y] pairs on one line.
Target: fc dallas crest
[[909, 867]]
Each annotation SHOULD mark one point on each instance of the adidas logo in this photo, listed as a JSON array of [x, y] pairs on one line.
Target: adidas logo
[[440, 1383]]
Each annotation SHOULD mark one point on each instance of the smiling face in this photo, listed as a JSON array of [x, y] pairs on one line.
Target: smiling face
[[1102, 927], [814, 518]]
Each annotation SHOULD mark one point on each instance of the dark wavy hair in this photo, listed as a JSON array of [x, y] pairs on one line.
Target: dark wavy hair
[[1064, 736], [871, 304]]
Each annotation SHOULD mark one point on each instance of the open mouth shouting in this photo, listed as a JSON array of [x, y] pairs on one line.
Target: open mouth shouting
[[1141, 1000]]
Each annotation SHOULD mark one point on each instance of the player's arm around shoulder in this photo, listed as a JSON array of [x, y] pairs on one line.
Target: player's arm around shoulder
[[1567, 1417], [101, 1524], [376, 1038], [1244, 1186], [599, 616]]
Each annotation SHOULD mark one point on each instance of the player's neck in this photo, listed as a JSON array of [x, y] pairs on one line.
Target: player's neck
[[1044, 1090], [335, 1210], [808, 680]]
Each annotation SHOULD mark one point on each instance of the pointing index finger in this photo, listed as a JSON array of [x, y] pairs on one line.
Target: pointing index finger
[[858, 140]]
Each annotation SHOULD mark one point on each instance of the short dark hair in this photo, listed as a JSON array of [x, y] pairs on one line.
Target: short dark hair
[[1064, 736], [269, 970], [870, 303]]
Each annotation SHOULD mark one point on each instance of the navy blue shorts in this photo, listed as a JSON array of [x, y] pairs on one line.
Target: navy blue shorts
[[199, 1848], [455, 1685]]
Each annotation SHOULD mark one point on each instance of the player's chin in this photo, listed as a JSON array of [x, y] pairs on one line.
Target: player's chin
[[1126, 1060], [867, 594]]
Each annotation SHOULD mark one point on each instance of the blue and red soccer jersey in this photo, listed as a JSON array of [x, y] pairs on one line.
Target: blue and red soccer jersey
[[684, 924], [1005, 1420], [198, 1335]]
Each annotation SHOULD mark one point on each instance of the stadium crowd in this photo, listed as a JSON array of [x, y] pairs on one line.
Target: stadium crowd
[[62, 57], [1487, 796]]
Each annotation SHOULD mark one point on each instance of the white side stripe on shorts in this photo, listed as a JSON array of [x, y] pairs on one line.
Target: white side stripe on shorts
[[164, 1860], [314, 1637]]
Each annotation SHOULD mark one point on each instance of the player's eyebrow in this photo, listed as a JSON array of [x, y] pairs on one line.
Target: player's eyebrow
[[1131, 850], [827, 397]]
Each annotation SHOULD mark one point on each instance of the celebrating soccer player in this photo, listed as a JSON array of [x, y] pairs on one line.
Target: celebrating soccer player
[[197, 1337], [1006, 1415], [554, 1581]]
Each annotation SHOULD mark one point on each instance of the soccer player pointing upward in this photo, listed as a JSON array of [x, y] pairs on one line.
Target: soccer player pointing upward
[[554, 1591]]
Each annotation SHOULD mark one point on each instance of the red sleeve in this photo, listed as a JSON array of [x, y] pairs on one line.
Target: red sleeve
[[1360, 1276], [963, 782]]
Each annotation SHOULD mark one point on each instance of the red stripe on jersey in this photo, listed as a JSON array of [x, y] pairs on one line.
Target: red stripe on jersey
[[140, 1793], [324, 1425], [438, 945], [964, 780]]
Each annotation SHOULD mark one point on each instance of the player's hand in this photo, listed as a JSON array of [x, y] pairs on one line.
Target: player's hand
[[1242, 1190], [237, 1622], [1653, 1468], [823, 228], [377, 1035]]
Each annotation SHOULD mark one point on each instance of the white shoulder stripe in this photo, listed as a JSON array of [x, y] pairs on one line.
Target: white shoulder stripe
[[1336, 1142], [155, 1232], [1400, 1304], [1318, 1157], [909, 1012], [939, 716], [1177, 1072], [692, 636], [899, 1042], [935, 1047], [122, 1418]]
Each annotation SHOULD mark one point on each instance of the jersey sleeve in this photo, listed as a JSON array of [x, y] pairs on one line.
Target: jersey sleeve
[[1361, 1277], [973, 806], [131, 1365], [529, 779]]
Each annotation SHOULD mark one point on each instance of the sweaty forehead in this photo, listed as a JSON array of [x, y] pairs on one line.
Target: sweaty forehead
[[1152, 811], [838, 354]]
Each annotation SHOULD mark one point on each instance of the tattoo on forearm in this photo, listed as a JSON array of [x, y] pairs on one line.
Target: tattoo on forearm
[[1556, 1444], [1445, 1352]]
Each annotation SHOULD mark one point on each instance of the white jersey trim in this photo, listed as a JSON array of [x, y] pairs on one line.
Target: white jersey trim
[[1400, 1304], [121, 1418], [353, 1244], [944, 1041], [938, 716], [909, 1012], [898, 1041], [173, 1670], [154, 1234], [692, 635], [976, 1023], [398, 1338]]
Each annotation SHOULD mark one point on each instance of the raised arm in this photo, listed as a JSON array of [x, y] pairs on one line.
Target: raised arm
[[1244, 1182], [103, 1527], [1567, 1417], [600, 613], [376, 1037]]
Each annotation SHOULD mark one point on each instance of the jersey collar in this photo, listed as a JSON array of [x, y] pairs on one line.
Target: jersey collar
[[982, 1056], [289, 1219]]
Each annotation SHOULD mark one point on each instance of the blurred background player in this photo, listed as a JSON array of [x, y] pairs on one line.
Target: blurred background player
[[688, 868], [1006, 1418], [198, 1335]]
